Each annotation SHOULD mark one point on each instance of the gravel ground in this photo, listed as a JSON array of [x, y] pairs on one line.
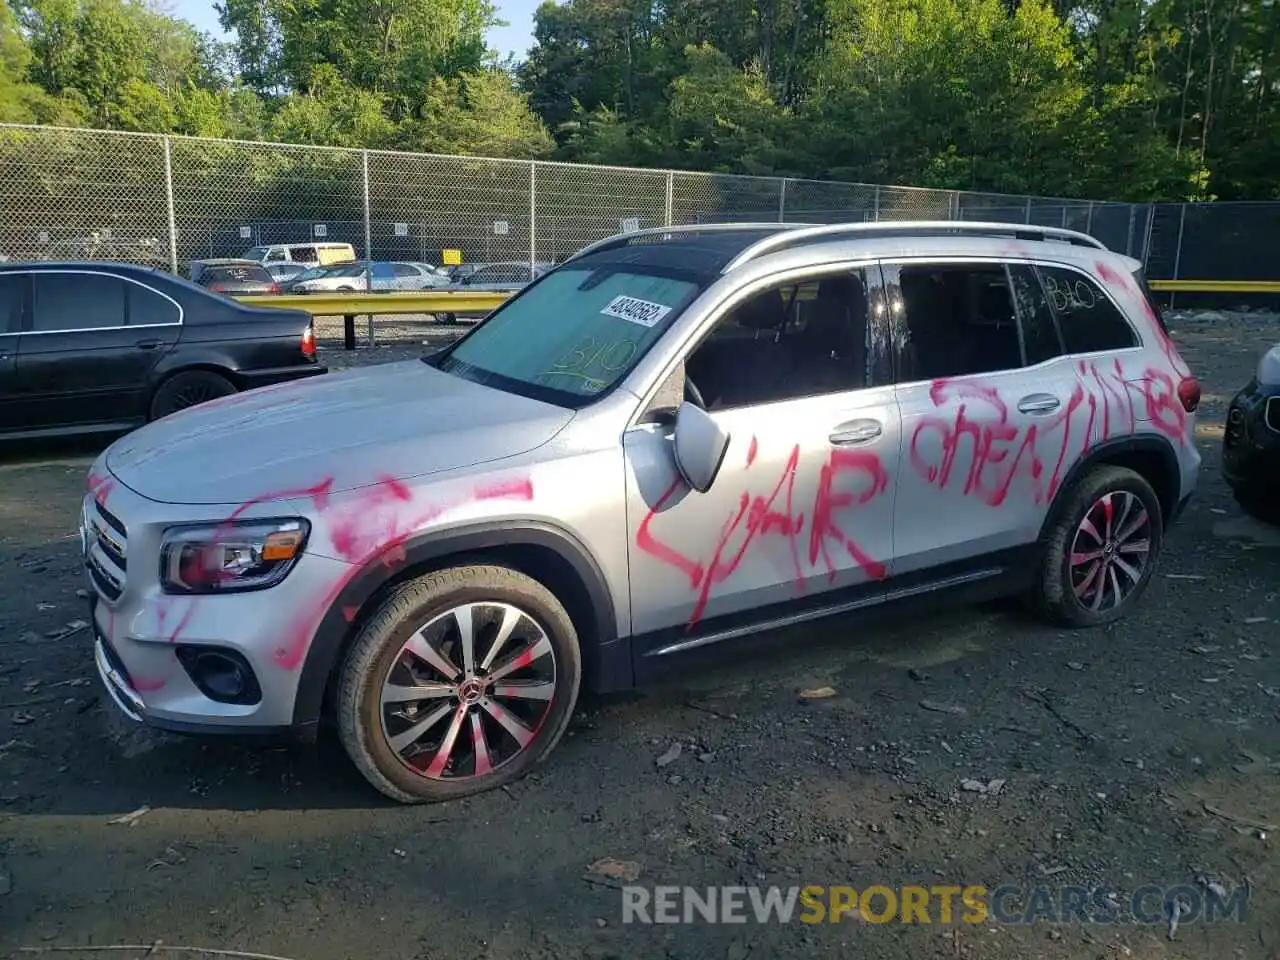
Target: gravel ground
[[1143, 753]]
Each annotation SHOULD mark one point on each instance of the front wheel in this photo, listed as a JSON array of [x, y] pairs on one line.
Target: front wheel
[[461, 681], [1101, 549]]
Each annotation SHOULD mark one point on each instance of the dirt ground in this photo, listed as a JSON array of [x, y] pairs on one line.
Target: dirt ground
[[1144, 753]]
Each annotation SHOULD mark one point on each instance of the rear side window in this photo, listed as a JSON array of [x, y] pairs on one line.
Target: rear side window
[[76, 301], [148, 308], [1089, 321], [960, 320], [13, 288], [303, 254], [403, 270], [1040, 340]]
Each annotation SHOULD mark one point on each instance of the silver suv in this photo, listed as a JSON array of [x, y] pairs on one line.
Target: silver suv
[[676, 438]]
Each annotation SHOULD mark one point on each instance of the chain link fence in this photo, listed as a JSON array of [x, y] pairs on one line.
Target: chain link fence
[[166, 200]]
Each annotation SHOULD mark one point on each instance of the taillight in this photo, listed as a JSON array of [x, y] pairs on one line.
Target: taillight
[[1189, 394], [309, 342], [274, 288]]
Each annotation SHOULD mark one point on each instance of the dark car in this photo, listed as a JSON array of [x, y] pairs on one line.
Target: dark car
[[285, 273], [93, 346], [234, 277], [1251, 441]]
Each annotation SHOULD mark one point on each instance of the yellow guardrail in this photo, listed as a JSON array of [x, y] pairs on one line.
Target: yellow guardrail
[[351, 304], [1216, 286]]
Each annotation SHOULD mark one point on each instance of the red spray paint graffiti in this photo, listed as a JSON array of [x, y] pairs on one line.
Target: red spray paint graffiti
[[762, 516]]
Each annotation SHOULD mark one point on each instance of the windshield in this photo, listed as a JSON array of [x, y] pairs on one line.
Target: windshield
[[572, 336], [255, 253]]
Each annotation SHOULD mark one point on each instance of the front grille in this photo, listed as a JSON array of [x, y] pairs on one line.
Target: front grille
[[1273, 413], [108, 554]]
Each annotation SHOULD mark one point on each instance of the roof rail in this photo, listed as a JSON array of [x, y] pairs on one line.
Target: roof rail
[[625, 239], [910, 228]]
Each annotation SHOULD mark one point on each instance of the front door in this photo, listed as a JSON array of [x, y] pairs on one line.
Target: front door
[[803, 503], [993, 415], [13, 295]]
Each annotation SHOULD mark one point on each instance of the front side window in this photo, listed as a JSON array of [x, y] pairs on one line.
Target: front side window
[[276, 254], [785, 343], [77, 301], [959, 320], [1087, 317], [575, 334]]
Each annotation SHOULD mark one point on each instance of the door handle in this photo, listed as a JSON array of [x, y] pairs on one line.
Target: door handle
[[147, 344], [855, 431], [1039, 403]]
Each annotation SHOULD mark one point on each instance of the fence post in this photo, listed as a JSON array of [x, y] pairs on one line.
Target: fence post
[[782, 201], [877, 203], [1027, 217], [671, 196], [168, 191], [533, 214], [368, 239], [1088, 223], [1177, 255], [1133, 213]]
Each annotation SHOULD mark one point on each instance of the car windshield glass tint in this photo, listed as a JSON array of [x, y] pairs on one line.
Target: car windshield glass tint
[[571, 337]]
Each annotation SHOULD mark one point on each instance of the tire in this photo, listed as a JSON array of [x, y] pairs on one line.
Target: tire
[[1064, 592], [435, 766], [187, 389], [1258, 505]]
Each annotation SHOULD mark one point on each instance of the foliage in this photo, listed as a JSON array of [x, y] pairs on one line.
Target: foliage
[[1117, 99]]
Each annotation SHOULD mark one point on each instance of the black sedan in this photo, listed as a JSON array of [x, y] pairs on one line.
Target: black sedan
[[1251, 441], [94, 346]]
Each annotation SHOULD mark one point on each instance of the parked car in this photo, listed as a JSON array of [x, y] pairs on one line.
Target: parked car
[[1251, 441], [502, 276], [98, 347], [494, 277], [309, 274], [285, 273], [232, 277], [384, 275], [460, 270], [305, 253], [675, 439]]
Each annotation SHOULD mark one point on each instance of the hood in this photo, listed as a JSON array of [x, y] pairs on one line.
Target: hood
[[399, 420]]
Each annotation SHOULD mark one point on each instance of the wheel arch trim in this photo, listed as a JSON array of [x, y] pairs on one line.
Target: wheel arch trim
[[336, 625], [1107, 451]]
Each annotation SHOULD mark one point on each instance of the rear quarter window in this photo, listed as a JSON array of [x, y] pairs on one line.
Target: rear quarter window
[[1087, 318]]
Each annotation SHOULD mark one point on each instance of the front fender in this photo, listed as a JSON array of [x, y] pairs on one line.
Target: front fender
[[604, 659]]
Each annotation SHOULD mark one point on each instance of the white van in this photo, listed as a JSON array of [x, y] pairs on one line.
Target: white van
[[311, 253]]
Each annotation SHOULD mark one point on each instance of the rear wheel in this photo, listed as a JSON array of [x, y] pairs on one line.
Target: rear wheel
[[460, 682], [187, 389], [1101, 549]]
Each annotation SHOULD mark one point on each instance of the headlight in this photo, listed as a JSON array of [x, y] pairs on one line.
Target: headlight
[[230, 557]]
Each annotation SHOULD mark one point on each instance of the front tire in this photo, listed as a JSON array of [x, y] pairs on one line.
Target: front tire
[[461, 681], [188, 389], [1260, 506], [1100, 550]]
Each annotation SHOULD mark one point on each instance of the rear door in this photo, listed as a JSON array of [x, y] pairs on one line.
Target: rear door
[[13, 296], [993, 414], [92, 340]]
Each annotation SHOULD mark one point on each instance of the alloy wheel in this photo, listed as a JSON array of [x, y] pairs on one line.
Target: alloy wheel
[[467, 692], [1110, 551]]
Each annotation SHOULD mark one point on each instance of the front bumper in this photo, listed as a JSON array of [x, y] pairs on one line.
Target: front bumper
[[141, 634], [1250, 443]]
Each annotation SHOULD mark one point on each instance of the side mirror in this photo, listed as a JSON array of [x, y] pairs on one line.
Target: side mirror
[[700, 446]]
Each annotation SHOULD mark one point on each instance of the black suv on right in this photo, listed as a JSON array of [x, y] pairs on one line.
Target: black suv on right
[[1251, 442]]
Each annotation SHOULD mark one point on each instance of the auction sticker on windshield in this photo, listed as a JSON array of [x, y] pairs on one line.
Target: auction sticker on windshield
[[637, 311]]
